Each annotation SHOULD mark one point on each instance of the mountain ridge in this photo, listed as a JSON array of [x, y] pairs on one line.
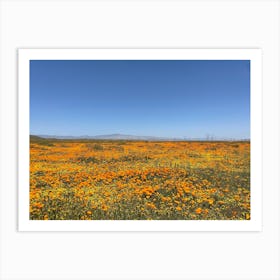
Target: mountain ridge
[[117, 136]]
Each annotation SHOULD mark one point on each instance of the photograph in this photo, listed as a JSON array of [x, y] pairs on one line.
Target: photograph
[[140, 140], [131, 139]]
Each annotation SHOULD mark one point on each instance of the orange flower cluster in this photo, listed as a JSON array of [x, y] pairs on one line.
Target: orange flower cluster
[[139, 180]]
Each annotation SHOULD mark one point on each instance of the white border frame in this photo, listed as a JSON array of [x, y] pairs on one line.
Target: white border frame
[[254, 55]]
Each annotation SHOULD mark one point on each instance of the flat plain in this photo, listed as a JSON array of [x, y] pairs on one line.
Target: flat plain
[[139, 180]]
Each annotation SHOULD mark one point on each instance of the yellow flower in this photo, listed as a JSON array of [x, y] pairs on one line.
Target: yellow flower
[[210, 201], [151, 205], [198, 210], [104, 208]]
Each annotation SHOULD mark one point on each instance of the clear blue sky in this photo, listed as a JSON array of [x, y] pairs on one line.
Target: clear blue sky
[[189, 98]]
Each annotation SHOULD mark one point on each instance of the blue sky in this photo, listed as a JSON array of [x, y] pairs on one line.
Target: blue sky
[[168, 98]]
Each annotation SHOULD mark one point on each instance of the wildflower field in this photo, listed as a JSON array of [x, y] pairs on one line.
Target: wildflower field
[[139, 180]]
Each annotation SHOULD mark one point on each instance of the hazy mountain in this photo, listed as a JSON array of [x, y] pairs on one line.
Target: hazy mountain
[[128, 137], [110, 137], [135, 137]]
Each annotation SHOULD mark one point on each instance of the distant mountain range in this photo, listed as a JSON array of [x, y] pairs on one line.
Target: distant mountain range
[[135, 137], [109, 137]]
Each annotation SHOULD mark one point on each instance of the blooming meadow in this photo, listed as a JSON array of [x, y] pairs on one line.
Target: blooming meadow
[[139, 180]]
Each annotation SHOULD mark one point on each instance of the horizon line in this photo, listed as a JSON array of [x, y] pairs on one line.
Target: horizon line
[[122, 136]]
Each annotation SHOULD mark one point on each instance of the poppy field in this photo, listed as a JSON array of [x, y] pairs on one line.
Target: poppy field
[[139, 180]]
